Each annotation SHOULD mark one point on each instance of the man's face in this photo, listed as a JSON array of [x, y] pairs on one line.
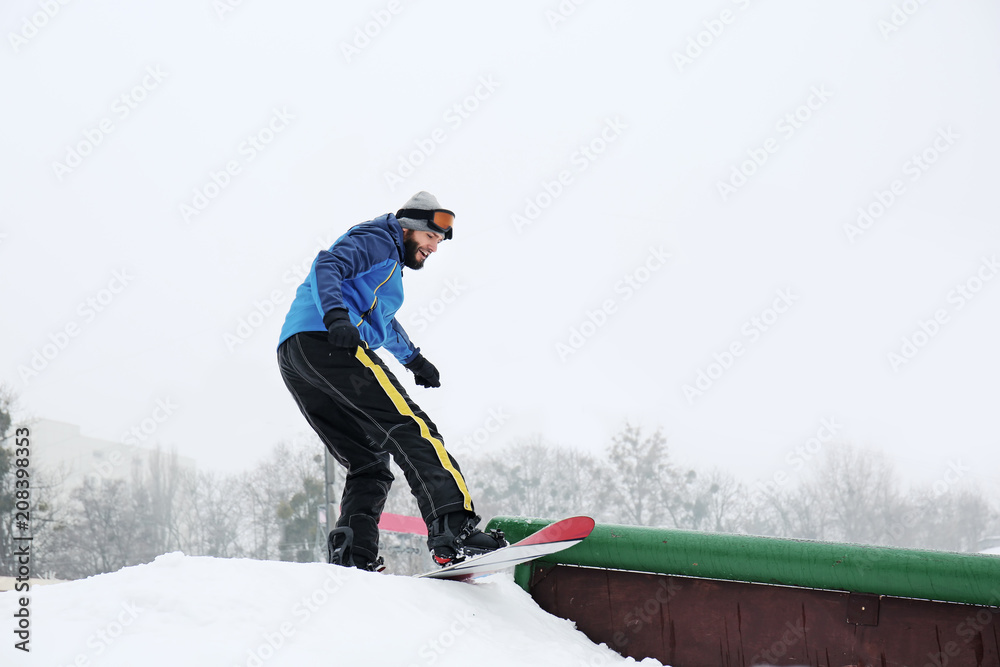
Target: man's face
[[418, 247]]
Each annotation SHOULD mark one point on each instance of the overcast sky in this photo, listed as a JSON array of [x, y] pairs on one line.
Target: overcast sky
[[746, 223]]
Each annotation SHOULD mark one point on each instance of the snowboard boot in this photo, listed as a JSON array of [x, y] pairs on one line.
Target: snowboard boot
[[340, 551], [376, 565], [454, 537]]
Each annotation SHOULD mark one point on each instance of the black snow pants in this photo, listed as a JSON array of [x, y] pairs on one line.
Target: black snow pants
[[363, 415]]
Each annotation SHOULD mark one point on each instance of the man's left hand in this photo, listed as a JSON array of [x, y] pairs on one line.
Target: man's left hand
[[424, 372]]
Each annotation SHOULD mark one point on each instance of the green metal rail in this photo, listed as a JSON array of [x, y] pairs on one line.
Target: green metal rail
[[930, 575]]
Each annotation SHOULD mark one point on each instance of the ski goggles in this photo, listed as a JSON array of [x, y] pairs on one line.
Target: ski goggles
[[439, 220]]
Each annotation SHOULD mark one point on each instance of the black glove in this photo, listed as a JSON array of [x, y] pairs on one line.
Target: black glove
[[424, 372], [341, 332]]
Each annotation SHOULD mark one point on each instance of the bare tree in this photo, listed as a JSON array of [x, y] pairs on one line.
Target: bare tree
[[537, 479], [106, 529], [214, 520], [162, 482], [860, 492], [721, 503], [270, 493], [7, 481], [644, 488], [956, 519]]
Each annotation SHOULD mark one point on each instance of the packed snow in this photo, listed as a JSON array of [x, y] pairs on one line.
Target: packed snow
[[213, 612]]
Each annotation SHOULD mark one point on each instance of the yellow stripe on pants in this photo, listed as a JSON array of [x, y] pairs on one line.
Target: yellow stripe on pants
[[404, 409]]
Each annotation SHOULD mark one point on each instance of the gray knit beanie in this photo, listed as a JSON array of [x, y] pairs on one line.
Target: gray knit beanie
[[423, 201]]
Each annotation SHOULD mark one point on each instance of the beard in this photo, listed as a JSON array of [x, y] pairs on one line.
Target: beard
[[410, 259]]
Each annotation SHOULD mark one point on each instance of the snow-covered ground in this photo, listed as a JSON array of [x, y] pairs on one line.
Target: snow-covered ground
[[212, 612]]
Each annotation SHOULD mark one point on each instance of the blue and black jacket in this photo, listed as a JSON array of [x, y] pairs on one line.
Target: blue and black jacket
[[362, 272]]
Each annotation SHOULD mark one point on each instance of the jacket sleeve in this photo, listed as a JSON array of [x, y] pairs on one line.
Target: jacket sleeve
[[350, 256], [400, 345]]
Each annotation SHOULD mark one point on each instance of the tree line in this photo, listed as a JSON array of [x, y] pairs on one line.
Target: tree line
[[844, 494], [273, 511]]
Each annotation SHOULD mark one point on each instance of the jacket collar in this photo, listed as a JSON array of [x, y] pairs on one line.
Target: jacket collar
[[397, 234]]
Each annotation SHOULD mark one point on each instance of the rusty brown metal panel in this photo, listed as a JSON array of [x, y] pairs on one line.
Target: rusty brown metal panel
[[691, 622], [862, 608]]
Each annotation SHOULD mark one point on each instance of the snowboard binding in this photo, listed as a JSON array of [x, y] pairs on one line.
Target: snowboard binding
[[454, 537], [340, 551]]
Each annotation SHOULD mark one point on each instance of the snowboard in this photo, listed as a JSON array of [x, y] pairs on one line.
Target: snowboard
[[549, 540]]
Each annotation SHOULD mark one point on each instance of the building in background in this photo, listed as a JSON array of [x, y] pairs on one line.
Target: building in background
[[61, 451]]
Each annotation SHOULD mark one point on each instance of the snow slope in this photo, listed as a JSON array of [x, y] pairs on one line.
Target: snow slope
[[199, 611]]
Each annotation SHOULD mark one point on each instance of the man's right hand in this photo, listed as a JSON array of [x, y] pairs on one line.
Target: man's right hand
[[341, 332]]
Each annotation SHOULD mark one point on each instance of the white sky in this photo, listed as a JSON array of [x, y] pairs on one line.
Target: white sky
[[337, 125]]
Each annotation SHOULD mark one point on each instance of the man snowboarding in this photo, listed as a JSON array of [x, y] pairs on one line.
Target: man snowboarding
[[342, 312]]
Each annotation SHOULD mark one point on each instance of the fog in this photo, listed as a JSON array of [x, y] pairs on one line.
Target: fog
[[763, 227]]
